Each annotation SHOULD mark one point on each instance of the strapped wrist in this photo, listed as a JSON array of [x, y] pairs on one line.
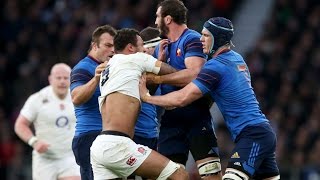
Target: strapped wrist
[[32, 141]]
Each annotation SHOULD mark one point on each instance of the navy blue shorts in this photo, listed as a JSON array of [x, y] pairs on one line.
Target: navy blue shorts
[[200, 139], [254, 152], [81, 149], [150, 142]]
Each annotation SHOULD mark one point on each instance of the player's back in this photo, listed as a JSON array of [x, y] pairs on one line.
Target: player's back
[[234, 95]]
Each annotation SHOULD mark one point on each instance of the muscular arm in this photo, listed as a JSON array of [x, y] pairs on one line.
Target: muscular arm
[[183, 77], [22, 128], [179, 98], [83, 93]]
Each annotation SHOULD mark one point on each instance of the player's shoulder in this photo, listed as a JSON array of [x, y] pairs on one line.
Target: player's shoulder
[[40, 95], [190, 34], [85, 63]]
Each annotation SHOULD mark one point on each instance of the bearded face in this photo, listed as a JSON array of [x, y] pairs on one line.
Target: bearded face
[[164, 30]]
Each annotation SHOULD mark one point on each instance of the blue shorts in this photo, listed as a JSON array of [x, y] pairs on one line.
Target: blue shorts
[[81, 149], [254, 152], [150, 142], [198, 138]]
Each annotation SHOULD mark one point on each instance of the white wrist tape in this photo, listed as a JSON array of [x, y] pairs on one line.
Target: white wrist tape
[[32, 140]]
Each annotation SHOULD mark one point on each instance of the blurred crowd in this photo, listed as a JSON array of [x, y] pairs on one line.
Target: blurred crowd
[[284, 65], [285, 71]]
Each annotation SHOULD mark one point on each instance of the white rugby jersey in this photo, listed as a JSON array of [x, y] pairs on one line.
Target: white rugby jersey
[[123, 73], [54, 121]]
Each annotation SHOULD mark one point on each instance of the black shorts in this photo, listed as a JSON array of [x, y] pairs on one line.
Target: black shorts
[[176, 142]]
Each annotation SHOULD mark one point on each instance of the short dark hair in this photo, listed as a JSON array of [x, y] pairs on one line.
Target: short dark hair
[[95, 37], [149, 33], [176, 9], [124, 37]]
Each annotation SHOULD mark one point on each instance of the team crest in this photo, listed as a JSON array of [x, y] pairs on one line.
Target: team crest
[[142, 150], [62, 107], [131, 161], [178, 52]]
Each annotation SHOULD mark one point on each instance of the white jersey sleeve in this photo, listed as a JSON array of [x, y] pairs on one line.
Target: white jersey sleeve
[[30, 108], [148, 62]]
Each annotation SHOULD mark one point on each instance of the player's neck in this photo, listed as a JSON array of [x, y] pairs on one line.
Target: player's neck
[[175, 31], [93, 56], [221, 50]]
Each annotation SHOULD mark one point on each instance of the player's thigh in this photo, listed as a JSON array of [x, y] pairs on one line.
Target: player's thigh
[[204, 149], [268, 168], [203, 141], [253, 150], [43, 168], [173, 144], [157, 166]]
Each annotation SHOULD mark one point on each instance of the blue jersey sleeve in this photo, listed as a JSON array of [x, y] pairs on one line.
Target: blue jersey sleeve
[[79, 77], [193, 47], [207, 80]]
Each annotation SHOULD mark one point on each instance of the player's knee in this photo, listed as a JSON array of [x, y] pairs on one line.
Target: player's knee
[[170, 169], [208, 168], [233, 174]]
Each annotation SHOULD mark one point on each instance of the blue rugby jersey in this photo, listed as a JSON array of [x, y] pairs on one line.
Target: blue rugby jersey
[[147, 123], [187, 45], [88, 114], [227, 79]]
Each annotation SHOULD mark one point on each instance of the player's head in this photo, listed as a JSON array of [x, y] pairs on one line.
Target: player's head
[[59, 79], [170, 11], [101, 47], [216, 32], [151, 39], [128, 41]]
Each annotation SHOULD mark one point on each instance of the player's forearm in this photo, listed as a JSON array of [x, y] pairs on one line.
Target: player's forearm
[[180, 78], [173, 99], [23, 131], [83, 93]]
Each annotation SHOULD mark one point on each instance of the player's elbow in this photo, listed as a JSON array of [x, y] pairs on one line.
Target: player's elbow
[[181, 101], [75, 101]]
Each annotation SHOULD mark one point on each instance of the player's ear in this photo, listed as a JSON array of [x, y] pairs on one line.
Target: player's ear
[[130, 47], [168, 19]]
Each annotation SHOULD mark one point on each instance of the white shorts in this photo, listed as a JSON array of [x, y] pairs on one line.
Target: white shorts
[[115, 156], [52, 169]]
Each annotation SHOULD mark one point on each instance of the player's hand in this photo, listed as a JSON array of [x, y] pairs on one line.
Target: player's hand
[[144, 92], [153, 78], [162, 53], [41, 146], [99, 69]]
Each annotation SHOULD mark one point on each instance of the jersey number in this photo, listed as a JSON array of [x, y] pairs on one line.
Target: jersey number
[[105, 76]]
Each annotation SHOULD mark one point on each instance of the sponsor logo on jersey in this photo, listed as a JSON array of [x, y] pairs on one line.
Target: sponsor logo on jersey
[[142, 150], [237, 163], [235, 155], [62, 121], [131, 161]]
